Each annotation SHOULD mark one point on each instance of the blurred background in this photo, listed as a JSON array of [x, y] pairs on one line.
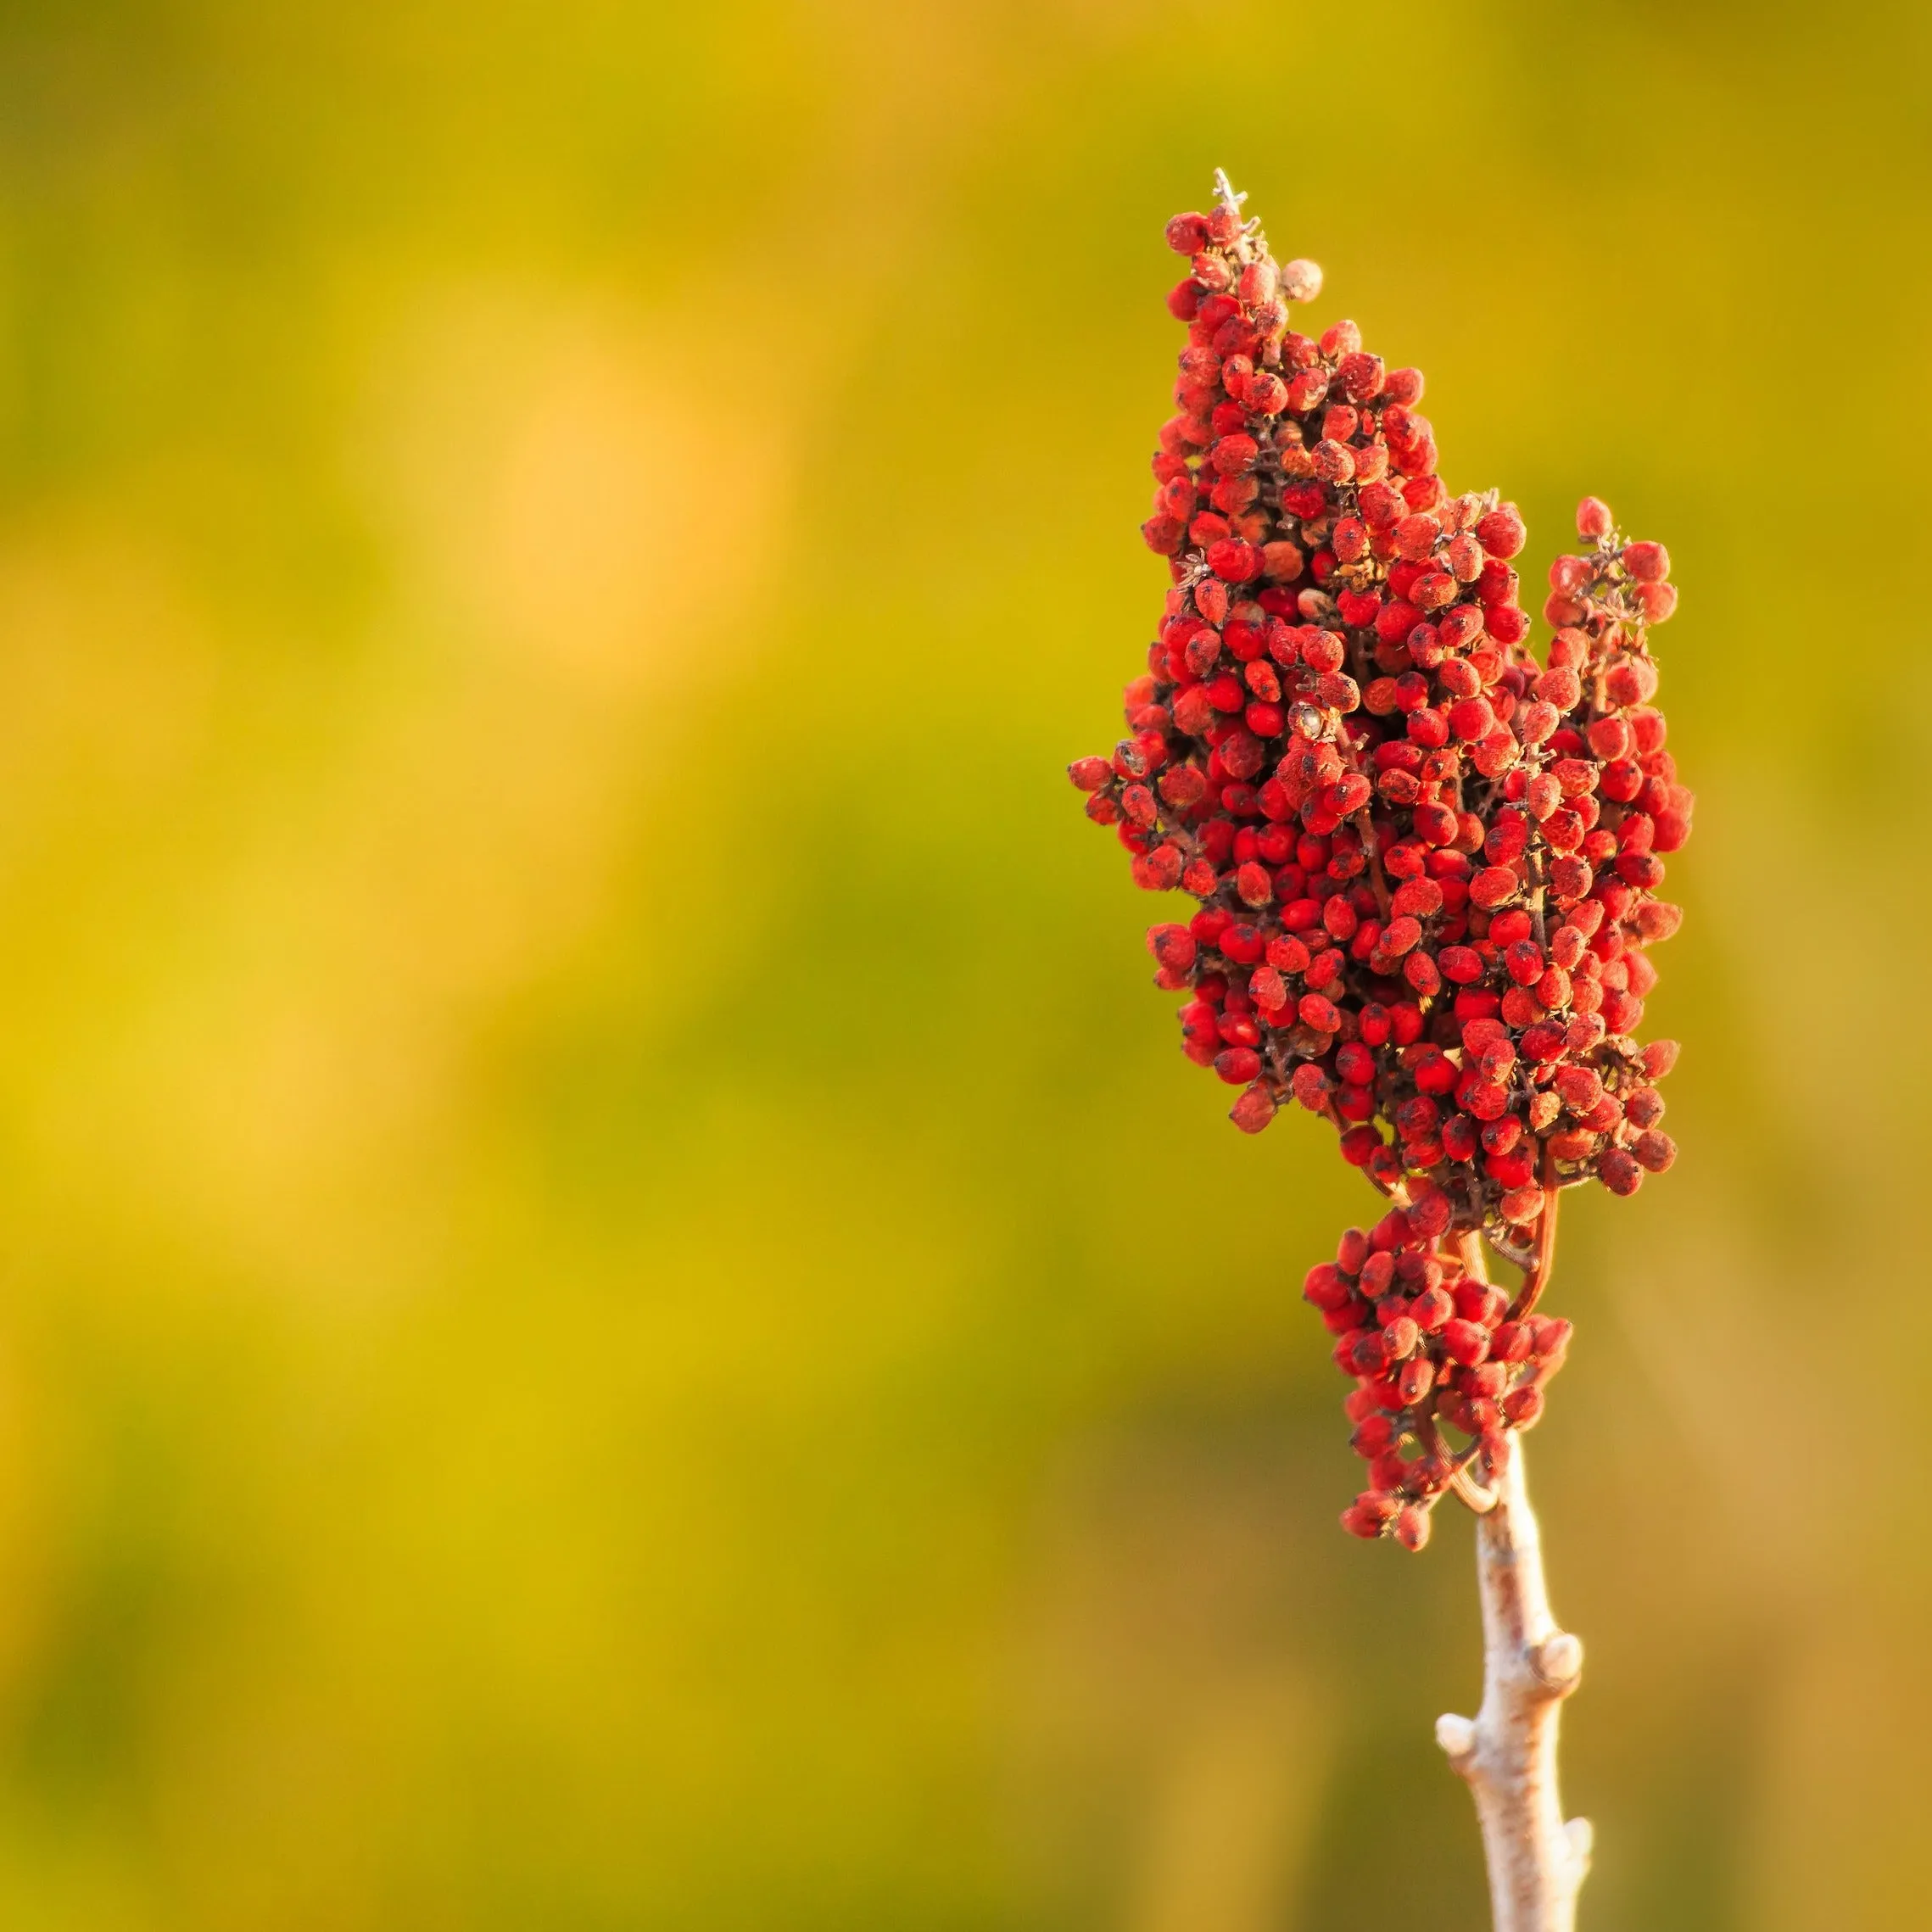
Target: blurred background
[[616, 1307]]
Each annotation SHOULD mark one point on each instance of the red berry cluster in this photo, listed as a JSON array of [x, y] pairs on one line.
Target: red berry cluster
[[1427, 864], [1428, 1342]]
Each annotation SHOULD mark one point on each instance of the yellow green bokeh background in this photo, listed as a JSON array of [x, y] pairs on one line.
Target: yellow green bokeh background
[[616, 1308]]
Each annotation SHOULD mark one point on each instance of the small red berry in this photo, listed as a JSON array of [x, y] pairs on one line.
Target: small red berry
[[1187, 234], [1465, 1341], [1649, 563], [1619, 1171], [1501, 532], [1301, 280]]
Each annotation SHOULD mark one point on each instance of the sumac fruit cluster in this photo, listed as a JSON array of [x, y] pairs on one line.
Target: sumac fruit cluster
[[1428, 863]]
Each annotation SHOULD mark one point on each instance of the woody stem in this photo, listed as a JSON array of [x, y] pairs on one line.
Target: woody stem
[[1507, 1752]]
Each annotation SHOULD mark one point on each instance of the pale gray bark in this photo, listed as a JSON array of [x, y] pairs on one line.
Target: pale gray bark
[[1507, 1753]]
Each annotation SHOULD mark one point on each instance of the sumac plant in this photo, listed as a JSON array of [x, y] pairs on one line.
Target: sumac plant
[[1428, 863]]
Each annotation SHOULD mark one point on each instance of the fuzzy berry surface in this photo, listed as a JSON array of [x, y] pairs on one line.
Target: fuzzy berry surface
[[1428, 864]]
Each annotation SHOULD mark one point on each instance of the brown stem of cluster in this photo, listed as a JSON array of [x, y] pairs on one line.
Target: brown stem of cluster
[[1539, 885], [1537, 1278], [1376, 878], [1507, 1753]]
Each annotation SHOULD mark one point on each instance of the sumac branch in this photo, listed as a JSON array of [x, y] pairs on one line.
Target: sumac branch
[[1428, 868]]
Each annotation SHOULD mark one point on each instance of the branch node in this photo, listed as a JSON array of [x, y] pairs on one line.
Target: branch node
[[1582, 1835], [1457, 1737], [1558, 1661]]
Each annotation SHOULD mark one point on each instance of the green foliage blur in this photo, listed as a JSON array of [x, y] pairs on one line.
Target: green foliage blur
[[615, 1308]]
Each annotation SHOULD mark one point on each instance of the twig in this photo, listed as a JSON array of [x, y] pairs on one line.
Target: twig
[[1468, 1491], [1479, 1500]]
